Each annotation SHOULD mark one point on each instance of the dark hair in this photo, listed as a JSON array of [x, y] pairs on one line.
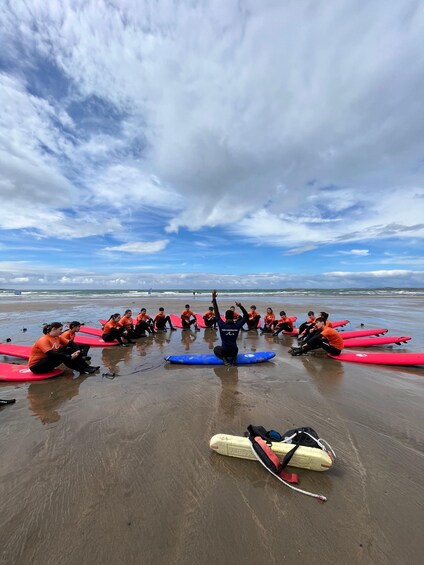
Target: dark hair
[[74, 324], [229, 315], [127, 311], [320, 319], [211, 308], [282, 313], [46, 329], [143, 310], [114, 316], [310, 313], [253, 307], [53, 326], [324, 315], [161, 309], [187, 306], [269, 308]]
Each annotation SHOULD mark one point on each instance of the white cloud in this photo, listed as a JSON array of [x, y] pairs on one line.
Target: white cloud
[[356, 252], [228, 114], [140, 247]]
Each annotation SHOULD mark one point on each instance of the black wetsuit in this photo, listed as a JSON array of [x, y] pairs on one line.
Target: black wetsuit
[[228, 332]]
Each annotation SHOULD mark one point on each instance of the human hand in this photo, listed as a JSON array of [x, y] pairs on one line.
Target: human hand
[[238, 304], [75, 354], [214, 294]]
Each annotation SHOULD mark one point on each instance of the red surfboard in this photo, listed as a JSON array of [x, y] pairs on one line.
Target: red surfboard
[[93, 341], [381, 358], [91, 331], [373, 341], [363, 333], [339, 323], [20, 373], [21, 351]]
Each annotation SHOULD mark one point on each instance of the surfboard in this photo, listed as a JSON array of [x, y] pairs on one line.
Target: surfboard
[[93, 341], [336, 324], [375, 341], [20, 373], [20, 351], [200, 320], [363, 333], [176, 321], [397, 358], [310, 458], [339, 323], [91, 331], [209, 359]]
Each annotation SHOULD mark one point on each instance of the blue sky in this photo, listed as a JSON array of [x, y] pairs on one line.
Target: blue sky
[[200, 144]]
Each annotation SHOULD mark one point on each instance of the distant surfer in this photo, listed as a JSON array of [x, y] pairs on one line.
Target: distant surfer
[[228, 330]]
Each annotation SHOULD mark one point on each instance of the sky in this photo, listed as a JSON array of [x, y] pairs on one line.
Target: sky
[[201, 144]]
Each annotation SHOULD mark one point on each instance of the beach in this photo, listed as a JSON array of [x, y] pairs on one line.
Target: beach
[[105, 469]]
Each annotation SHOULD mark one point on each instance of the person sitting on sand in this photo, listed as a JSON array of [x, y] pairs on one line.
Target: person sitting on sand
[[310, 322], [253, 318], [210, 318], [228, 330], [324, 337], [236, 314], [269, 321], [112, 331], [161, 320], [325, 315], [283, 324], [70, 334], [144, 323], [127, 323], [188, 319], [49, 351]]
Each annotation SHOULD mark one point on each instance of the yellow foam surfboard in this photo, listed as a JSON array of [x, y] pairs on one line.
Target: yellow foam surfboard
[[310, 458]]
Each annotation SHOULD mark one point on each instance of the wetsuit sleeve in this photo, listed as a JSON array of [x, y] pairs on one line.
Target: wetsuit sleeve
[[244, 319], [215, 307]]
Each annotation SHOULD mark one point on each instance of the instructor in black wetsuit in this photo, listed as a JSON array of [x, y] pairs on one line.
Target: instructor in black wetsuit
[[228, 331]]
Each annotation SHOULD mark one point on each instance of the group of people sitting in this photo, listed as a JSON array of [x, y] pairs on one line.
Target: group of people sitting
[[119, 328], [57, 346]]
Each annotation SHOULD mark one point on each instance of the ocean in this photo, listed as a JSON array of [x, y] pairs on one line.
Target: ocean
[[48, 294]]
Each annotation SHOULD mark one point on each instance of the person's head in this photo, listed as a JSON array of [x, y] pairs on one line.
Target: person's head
[[269, 311], [128, 312], [187, 306], [75, 326], [115, 316], [310, 313], [229, 315], [210, 308], [253, 307], [320, 323], [161, 309], [143, 311], [323, 315], [55, 329], [233, 308], [282, 314]]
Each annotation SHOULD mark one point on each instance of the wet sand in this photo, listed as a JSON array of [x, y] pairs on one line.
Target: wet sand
[[99, 470]]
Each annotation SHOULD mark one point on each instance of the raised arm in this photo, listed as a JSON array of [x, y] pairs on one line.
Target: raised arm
[[215, 304], [245, 314]]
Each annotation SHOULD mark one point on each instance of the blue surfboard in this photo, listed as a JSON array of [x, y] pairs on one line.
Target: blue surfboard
[[209, 359]]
